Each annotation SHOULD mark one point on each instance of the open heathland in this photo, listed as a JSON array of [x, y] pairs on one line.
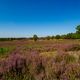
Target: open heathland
[[57, 59]]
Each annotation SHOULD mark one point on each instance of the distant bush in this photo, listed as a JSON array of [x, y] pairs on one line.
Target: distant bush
[[57, 37], [48, 37], [35, 37]]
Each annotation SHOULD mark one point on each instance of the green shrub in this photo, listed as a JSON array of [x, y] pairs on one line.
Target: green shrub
[[4, 50]]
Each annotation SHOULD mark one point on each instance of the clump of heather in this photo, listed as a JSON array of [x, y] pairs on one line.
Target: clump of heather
[[33, 66], [72, 72], [73, 47]]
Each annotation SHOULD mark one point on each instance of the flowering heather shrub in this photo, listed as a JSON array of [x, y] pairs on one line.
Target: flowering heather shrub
[[74, 47], [33, 66], [72, 72]]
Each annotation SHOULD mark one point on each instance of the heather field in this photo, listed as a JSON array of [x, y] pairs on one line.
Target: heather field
[[41, 60]]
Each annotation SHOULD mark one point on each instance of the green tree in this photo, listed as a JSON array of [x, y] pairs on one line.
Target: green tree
[[63, 36], [78, 29], [52, 37], [35, 37], [57, 36], [48, 37], [69, 36]]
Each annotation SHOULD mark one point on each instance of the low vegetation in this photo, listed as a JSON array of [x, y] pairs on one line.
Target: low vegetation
[[4, 51], [41, 60]]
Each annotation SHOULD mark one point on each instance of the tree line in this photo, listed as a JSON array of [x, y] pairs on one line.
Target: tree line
[[11, 39], [75, 35]]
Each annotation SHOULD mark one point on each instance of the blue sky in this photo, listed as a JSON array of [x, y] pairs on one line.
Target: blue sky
[[24, 18]]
